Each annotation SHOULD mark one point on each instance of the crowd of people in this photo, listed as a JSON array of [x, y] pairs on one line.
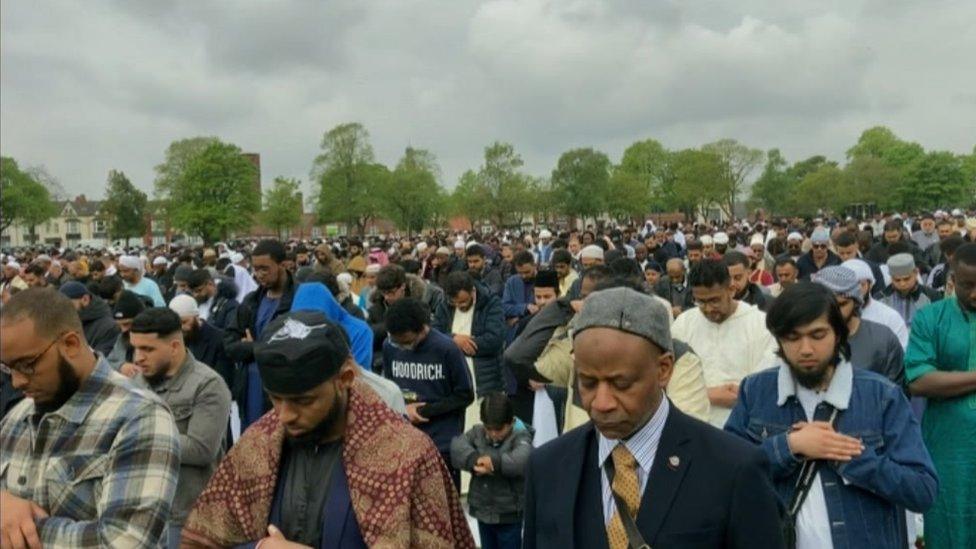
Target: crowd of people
[[784, 383]]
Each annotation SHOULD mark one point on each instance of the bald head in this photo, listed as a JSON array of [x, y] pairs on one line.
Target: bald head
[[676, 270]]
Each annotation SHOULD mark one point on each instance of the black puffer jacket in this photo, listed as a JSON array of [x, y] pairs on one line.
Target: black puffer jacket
[[224, 306], [488, 330], [99, 326]]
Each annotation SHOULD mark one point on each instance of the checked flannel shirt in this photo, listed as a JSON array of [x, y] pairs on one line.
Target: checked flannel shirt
[[104, 466]]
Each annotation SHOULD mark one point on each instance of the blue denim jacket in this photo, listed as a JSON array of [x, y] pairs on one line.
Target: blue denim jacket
[[866, 496]]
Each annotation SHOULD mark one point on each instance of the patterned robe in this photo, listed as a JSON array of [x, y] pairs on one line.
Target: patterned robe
[[401, 492]]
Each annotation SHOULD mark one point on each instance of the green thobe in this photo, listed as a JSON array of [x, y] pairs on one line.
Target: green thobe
[[943, 338]]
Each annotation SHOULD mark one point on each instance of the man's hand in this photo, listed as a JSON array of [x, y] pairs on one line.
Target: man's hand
[[676, 311], [818, 440], [247, 336], [17, 527], [276, 540], [724, 395], [577, 305], [413, 415], [532, 308], [536, 385], [466, 344], [129, 369]]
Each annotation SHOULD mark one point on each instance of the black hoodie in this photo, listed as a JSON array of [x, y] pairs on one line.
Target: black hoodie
[[99, 327]]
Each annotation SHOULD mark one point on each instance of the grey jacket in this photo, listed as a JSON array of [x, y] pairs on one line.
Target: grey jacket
[[497, 498], [200, 402]]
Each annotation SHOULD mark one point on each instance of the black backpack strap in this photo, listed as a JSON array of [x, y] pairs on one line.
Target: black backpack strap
[[808, 473]]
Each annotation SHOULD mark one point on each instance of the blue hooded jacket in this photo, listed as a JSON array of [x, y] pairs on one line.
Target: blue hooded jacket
[[314, 296]]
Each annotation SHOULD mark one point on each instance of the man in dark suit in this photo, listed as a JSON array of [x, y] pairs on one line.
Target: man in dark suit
[[682, 482]]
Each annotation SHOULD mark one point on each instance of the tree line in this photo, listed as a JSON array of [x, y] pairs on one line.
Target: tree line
[[205, 187]]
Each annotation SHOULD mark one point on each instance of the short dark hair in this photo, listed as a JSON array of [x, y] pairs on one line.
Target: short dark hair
[[411, 266], [271, 248], [198, 278], [496, 410], [951, 245], [390, 278], [523, 258], [893, 225], [162, 321], [709, 273], [407, 315], [327, 279], [965, 254], [734, 258], [561, 257], [35, 269], [109, 286], [845, 239], [696, 245], [900, 247], [53, 313], [474, 250], [786, 261], [802, 303], [96, 266], [626, 267], [597, 273], [457, 282]]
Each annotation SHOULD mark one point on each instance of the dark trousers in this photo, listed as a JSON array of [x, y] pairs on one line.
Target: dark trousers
[[500, 536]]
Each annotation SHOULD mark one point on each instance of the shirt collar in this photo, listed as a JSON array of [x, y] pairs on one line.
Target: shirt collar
[[643, 443], [838, 392], [175, 383], [80, 403]]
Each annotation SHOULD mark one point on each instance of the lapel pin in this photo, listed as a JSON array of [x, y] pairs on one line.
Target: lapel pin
[[674, 462]]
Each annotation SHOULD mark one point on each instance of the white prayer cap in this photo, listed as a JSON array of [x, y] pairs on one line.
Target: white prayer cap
[[794, 236], [160, 260], [860, 268], [184, 305], [236, 257], [591, 252], [130, 262]]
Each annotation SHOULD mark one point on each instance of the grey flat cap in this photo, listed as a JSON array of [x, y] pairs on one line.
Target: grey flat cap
[[901, 264], [626, 310]]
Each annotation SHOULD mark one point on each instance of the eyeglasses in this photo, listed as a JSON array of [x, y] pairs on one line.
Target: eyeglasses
[[819, 246], [27, 366]]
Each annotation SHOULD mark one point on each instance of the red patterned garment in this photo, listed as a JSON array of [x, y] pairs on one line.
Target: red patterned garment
[[401, 491]]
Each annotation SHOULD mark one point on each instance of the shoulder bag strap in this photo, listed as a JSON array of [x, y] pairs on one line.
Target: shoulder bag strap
[[634, 538]]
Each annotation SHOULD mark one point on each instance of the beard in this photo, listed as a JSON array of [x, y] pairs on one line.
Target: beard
[[336, 415], [159, 377], [192, 335], [814, 378], [68, 386]]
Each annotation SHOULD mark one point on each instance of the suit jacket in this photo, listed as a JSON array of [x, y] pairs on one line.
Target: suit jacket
[[705, 490]]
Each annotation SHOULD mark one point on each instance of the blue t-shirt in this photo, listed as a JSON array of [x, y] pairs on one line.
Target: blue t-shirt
[[254, 402]]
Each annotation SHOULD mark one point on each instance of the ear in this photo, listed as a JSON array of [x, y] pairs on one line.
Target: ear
[[347, 373], [665, 364], [73, 343]]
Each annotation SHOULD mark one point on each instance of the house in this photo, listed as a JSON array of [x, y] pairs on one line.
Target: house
[[76, 223]]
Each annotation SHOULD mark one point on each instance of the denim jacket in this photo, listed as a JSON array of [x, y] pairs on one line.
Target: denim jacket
[[866, 496]]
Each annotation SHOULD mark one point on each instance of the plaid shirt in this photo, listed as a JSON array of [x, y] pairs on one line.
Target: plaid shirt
[[104, 466]]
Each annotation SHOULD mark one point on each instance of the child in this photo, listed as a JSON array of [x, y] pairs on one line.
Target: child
[[496, 453]]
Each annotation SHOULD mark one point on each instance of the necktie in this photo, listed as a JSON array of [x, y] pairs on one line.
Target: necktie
[[626, 486]]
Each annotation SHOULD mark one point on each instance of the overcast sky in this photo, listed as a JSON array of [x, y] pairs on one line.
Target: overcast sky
[[86, 87]]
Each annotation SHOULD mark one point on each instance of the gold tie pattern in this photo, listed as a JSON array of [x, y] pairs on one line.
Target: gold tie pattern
[[626, 486]]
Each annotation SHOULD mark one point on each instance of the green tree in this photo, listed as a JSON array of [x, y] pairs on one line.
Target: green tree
[[215, 194], [124, 208], [823, 189], [413, 195], [870, 180], [502, 185], [470, 198], [738, 163], [772, 190], [580, 182], [934, 180], [23, 199], [694, 181], [350, 183], [882, 143], [626, 196], [642, 171], [282, 205], [177, 157]]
